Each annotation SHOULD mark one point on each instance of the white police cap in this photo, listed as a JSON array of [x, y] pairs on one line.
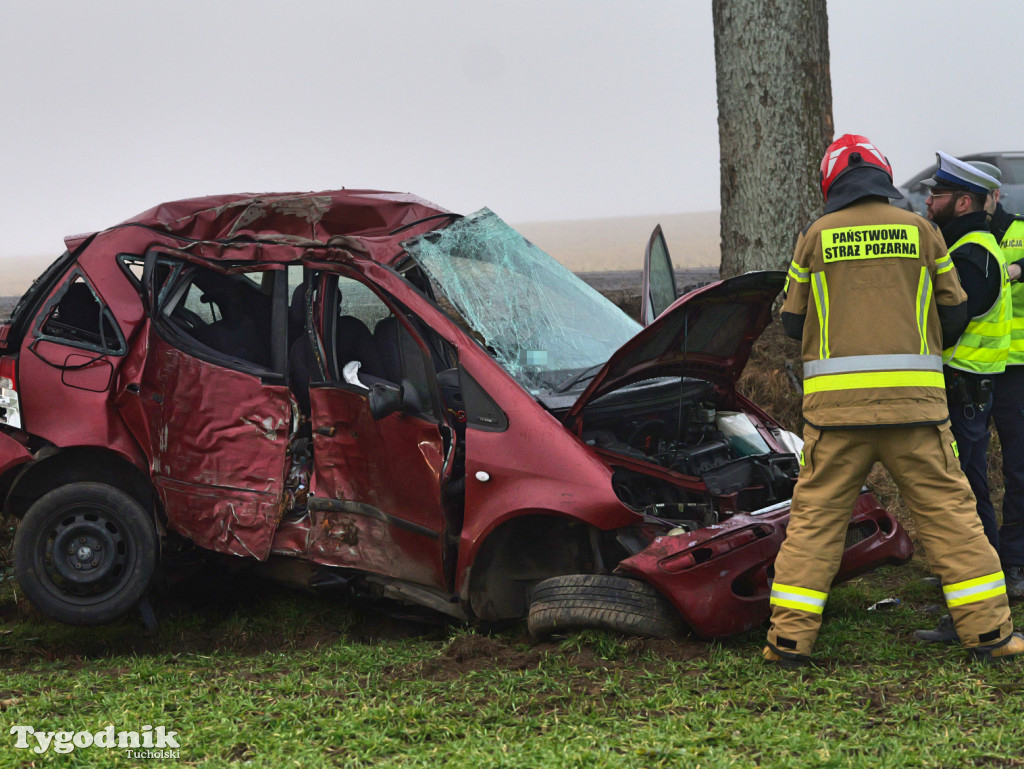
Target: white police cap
[[960, 174]]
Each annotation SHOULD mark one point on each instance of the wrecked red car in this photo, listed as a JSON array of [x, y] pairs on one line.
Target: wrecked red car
[[361, 390]]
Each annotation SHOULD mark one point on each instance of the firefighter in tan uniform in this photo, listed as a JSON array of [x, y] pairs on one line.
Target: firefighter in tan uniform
[[871, 293]]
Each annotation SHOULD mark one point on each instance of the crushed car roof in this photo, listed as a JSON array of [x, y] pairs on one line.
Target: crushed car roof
[[371, 222]]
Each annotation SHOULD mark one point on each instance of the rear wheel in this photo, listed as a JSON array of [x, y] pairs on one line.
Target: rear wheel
[[580, 601], [86, 553]]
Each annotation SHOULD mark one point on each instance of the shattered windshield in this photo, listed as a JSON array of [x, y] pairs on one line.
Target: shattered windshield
[[545, 326]]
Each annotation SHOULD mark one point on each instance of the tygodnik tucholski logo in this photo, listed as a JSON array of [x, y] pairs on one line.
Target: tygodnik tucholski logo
[[147, 742]]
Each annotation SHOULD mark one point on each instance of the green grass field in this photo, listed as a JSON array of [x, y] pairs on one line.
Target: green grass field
[[261, 676]]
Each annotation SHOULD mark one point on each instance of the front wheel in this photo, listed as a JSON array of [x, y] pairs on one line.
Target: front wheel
[[603, 602], [86, 553]]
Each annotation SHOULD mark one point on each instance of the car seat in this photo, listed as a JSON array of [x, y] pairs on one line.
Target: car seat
[[387, 343]]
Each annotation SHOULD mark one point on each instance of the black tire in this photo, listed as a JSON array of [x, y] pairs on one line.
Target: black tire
[[86, 553], [580, 601]]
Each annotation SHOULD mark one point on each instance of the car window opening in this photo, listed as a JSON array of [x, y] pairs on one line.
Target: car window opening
[[80, 319], [365, 345], [227, 314]]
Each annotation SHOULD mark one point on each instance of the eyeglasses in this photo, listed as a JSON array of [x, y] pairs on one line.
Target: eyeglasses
[[932, 194]]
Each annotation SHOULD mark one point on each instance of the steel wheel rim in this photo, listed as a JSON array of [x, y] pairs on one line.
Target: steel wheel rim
[[87, 554]]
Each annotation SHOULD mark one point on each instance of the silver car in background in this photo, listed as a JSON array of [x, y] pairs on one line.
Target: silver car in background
[[1010, 163]]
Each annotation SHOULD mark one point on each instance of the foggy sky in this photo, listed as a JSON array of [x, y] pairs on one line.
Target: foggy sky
[[541, 110]]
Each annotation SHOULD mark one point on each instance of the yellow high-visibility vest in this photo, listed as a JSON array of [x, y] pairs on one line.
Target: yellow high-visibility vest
[[1012, 246], [984, 346]]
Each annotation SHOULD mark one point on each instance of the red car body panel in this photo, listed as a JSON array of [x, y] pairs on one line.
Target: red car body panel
[[364, 220], [69, 381], [217, 449], [377, 487], [706, 334], [717, 577], [12, 453]]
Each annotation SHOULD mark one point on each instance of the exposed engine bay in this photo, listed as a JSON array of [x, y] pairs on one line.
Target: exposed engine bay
[[719, 460]]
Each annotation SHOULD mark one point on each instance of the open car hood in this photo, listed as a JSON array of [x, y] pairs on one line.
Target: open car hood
[[706, 334]]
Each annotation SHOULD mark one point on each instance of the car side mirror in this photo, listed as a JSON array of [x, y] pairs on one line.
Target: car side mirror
[[411, 403], [386, 399]]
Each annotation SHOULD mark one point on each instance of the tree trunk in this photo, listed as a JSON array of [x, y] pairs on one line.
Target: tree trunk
[[774, 123]]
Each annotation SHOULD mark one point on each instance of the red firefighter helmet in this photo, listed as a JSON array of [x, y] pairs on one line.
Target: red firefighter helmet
[[846, 152]]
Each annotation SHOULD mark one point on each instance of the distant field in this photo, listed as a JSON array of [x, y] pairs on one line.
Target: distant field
[[599, 245]]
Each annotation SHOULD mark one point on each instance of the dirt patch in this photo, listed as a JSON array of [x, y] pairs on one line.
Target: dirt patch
[[634, 656], [469, 653]]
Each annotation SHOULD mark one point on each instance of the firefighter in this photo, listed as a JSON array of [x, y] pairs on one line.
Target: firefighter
[[1008, 396], [872, 293]]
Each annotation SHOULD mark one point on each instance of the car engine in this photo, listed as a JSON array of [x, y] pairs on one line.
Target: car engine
[[686, 427]]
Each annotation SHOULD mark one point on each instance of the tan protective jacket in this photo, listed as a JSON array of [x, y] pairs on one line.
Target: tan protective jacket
[[869, 278]]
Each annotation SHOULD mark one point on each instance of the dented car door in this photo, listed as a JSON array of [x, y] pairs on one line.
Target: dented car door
[[377, 501], [216, 414]]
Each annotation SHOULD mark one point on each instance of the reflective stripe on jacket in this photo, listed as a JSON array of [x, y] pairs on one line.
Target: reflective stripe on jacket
[[868, 279], [1012, 246], [985, 345]]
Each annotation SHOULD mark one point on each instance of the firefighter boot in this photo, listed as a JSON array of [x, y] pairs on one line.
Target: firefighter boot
[[945, 633], [1011, 646], [785, 660]]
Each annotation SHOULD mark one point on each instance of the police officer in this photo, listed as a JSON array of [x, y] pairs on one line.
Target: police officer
[[1008, 398], [872, 293], [957, 204]]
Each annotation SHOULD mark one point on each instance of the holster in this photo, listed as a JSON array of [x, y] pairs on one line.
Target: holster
[[963, 390]]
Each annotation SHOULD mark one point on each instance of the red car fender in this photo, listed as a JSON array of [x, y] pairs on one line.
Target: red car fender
[[717, 576], [12, 454]]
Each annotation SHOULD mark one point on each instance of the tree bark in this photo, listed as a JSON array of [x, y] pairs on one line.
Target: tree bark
[[774, 123]]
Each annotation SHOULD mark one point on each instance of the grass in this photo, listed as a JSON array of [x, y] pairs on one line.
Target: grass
[[275, 678], [254, 675]]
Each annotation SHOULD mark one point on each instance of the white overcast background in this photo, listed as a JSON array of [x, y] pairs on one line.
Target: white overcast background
[[542, 110]]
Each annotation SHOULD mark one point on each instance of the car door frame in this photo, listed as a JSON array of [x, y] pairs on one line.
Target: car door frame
[[363, 506], [214, 429], [659, 289]]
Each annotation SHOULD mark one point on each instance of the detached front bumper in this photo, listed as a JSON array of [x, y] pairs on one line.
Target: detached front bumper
[[718, 577]]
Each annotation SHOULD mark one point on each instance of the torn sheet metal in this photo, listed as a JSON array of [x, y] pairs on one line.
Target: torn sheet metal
[[229, 521], [376, 482], [221, 430], [293, 219]]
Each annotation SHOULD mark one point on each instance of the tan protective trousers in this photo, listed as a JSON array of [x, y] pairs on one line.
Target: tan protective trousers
[[923, 463]]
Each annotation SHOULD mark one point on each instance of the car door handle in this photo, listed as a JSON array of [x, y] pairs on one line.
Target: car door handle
[[328, 431], [133, 388]]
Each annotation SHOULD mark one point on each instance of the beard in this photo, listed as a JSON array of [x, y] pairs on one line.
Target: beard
[[943, 212]]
